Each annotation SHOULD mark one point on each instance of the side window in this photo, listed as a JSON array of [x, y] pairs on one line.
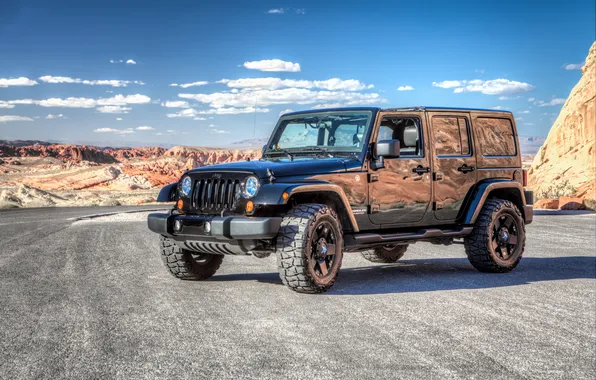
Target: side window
[[496, 136], [404, 129], [452, 136]]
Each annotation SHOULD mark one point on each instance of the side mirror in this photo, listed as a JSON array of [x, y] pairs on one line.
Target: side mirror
[[387, 148]]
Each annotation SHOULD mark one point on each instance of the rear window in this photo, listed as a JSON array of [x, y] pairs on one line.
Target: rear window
[[495, 136], [451, 136]]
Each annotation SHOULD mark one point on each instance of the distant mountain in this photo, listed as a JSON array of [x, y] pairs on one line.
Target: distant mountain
[[530, 144], [251, 143]]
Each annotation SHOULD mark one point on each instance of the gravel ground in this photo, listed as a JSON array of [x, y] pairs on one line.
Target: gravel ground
[[90, 299]]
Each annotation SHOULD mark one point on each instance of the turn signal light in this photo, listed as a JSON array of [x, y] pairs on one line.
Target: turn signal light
[[180, 204], [250, 207], [285, 196]]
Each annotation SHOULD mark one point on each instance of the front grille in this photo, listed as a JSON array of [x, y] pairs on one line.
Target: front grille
[[213, 194]]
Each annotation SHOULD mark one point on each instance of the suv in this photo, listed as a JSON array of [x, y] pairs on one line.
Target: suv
[[366, 180]]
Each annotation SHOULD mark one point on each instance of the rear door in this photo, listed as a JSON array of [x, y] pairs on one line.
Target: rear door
[[454, 166]]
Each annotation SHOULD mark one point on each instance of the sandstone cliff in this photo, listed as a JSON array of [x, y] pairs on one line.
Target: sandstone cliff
[[566, 161]]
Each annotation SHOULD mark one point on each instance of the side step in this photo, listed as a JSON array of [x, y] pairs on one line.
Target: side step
[[428, 234]]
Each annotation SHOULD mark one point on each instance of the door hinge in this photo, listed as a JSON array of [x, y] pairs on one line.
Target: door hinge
[[437, 206], [374, 208], [373, 177]]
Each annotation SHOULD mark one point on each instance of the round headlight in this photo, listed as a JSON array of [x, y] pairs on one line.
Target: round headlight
[[186, 186], [251, 186]]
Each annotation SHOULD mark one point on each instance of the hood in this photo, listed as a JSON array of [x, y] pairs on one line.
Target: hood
[[282, 167]]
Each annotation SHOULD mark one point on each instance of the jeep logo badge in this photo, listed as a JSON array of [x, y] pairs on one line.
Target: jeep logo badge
[[216, 176]]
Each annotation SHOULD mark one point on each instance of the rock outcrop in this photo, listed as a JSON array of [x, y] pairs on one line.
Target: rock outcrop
[[568, 157]]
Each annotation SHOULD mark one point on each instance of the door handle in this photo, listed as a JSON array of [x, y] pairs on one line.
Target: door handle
[[466, 169], [421, 170]]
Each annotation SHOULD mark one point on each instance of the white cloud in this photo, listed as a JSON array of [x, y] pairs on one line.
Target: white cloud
[[144, 128], [508, 97], [131, 62], [119, 119], [480, 71], [552, 102], [175, 104], [233, 111], [171, 131], [327, 105], [574, 66], [7, 118], [524, 112], [116, 61], [300, 11], [497, 108], [283, 96], [405, 88], [276, 11], [58, 116], [218, 131], [189, 112], [186, 85], [100, 82], [528, 123], [200, 118], [276, 83], [118, 100], [287, 110], [531, 99], [113, 109], [211, 125], [22, 81], [126, 131], [4, 104], [489, 87], [272, 65]]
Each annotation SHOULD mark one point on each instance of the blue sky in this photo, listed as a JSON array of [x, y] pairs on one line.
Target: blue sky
[[104, 70]]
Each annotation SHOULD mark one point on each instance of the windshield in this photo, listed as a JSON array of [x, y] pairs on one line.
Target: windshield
[[329, 132]]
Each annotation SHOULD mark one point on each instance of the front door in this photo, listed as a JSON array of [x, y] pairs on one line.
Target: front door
[[454, 162], [400, 191]]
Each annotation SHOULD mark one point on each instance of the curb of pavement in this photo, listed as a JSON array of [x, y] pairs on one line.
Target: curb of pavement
[[562, 212], [92, 216]]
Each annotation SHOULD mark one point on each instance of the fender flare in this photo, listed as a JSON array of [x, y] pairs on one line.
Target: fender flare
[[273, 194], [482, 192], [168, 193]]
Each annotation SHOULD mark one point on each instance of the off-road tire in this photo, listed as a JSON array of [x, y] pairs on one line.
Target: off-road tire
[[294, 244], [181, 263], [477, 244], [384, 255]]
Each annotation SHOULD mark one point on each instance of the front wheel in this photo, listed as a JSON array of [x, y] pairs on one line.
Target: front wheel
[[309, 248], [498, 239]]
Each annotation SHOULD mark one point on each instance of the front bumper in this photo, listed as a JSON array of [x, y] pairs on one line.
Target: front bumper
[[222, 228]]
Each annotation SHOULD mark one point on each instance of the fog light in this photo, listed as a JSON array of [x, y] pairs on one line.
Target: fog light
[[207, 227], [177, 225], [250, 207]]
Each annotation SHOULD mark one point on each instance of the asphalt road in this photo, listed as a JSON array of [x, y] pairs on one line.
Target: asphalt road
[[91, 299]]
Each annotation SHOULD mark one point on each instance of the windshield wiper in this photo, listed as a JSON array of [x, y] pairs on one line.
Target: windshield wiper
[[282, 151], [316, 149]]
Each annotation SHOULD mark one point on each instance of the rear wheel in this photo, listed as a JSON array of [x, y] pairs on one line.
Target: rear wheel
[[188, 265], [498, 239], [385, 254], [309, 248]]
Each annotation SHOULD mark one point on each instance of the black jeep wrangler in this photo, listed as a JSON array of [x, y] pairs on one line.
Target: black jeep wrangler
[[366, 180]]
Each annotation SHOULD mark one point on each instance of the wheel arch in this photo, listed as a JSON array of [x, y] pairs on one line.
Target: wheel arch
[[499, 189], [327, 194]]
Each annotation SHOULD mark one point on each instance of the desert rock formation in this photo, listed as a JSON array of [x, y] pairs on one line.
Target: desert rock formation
[[567, 158]]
